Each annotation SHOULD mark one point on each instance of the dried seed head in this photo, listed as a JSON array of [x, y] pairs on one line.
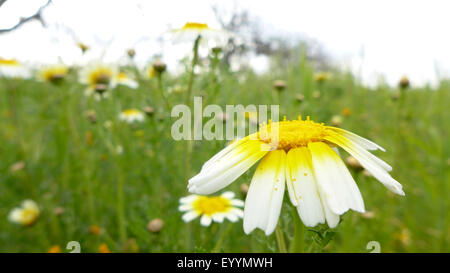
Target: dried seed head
[[300, 98], [159, 66], [244, 189], [336, 120], [353, 163], [131, 53], [279, 85], [149, 111], [17, 166], [155, 225], [91, 116], [403, 83], [58, 211]]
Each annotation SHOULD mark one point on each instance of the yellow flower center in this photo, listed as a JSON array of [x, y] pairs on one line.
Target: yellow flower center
[[100, 76], [29, 216], [8, 62], [122, 76], [131, 112], [192, 25], [211, 205], [293, 134]]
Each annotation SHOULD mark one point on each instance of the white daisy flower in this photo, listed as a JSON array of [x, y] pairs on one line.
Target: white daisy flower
[[131, 115], [191, 30], [26, 214], [304, 161], [99, 78], [215, 208], [53, 73], [125, 79], [13, 69]]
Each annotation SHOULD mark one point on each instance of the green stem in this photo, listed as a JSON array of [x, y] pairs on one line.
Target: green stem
[[297, 246], [280, 239], [221, 238], [192, 72], [161, 91]]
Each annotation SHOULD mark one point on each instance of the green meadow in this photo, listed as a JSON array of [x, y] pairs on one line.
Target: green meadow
[[84, 167]]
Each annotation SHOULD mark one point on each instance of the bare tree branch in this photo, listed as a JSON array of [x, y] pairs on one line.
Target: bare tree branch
[[36, 16], [2, 2]]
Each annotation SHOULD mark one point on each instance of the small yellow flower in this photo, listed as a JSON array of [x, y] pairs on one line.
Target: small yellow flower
[[346, 112], [301, 156], [103, 248], [321, 77], [26, 214], [53, 74], [95, 230], [83, 47], [54, 249], [131, 115], [215, 208]]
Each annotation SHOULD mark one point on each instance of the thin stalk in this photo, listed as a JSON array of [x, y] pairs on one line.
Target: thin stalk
[[161, 91], [192, 72], [221, 238], [280, 239], [297, 246]]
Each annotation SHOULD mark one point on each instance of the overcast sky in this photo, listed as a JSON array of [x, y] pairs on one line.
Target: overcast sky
[[395, 38]]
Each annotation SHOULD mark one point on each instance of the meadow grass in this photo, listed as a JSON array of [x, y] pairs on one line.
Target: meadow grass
[[75, 164]]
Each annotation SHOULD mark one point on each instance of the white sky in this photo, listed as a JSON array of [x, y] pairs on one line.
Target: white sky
[[396, 37]]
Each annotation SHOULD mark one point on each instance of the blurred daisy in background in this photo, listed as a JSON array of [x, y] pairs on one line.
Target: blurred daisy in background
[[53, 73], [215, 208], [26, 214], [127, 80], [131, 116], [99, 78], [191, 30], [13, 69], [304, 159]]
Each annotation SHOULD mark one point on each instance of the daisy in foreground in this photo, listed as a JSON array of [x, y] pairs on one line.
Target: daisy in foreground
[[26, 214], [305, 160], [215, 208], [131, 115]]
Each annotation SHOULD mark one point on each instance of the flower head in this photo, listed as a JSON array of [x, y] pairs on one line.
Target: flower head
[[215, 208], [13, 69], [125, 79], [54, 249], [131, 115], [99, 78], [53, 74], [321, 77], [192, 30], [301, 156], [26, 214]]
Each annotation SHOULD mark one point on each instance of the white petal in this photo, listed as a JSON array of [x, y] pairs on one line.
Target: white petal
[[218, 217], [371, 163], [227, 169], [185, 207], [340, 190], [205, 220], [265, 195], [237, 203], [189, 216], [303, 188], [365, 143], [232, 217], [228, 194], [188, 199]]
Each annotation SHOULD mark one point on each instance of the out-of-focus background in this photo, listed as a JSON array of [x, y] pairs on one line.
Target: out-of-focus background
[[381, 40], [378, 68]]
